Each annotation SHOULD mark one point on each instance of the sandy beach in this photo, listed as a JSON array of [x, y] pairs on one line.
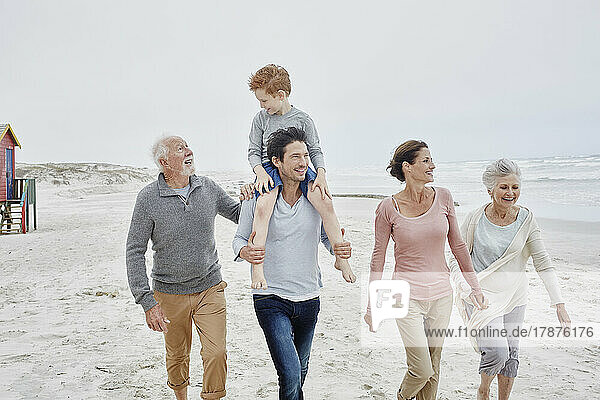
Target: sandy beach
[[69, 328]]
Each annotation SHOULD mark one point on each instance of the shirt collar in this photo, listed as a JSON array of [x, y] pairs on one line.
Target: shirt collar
[[165, 190]]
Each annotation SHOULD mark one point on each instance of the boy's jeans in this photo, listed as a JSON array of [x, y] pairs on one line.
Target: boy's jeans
[[288, 327]]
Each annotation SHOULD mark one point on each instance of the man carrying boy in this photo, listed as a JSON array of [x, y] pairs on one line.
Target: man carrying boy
[[271, 86], [288, 306]]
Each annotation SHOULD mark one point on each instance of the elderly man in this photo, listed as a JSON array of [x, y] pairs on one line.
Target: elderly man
[[287, 309], [177, 212]]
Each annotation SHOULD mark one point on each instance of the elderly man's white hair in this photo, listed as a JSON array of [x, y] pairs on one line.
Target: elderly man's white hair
[[160, 150], [498, 169]]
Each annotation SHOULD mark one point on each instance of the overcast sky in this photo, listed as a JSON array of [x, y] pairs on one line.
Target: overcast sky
[[98, 81]]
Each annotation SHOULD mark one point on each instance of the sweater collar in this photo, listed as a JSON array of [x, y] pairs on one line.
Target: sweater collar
[[478, 213], [475, 216], [165, 190]]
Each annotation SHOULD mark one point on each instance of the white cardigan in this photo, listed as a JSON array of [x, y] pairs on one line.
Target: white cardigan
[[504, 283]]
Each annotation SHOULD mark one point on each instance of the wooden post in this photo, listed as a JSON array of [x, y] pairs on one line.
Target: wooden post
[[34, 205], [23, 228]]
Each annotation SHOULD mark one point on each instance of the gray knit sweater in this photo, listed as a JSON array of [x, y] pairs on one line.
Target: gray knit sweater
[[264, 125], [183, 240]]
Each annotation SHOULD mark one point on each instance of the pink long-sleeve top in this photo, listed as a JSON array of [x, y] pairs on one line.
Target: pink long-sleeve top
[[419, 244]]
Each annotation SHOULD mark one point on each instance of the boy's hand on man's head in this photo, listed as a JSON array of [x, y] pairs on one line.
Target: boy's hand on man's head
[[263, 181], [321, 183]]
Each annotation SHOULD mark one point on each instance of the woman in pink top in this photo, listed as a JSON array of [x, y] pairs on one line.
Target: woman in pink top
[[419, 219]]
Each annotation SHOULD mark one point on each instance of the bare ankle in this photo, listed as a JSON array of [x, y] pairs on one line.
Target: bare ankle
[[341, 264], [181, 394], [483, 393], [258, 277]]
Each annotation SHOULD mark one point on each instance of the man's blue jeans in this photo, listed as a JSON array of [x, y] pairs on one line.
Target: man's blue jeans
[[288, 327]]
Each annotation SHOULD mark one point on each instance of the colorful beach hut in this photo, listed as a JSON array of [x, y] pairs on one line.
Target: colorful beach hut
[[16, 195], [8, 143]]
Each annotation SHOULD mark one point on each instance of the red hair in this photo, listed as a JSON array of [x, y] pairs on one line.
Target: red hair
[[272, 78]]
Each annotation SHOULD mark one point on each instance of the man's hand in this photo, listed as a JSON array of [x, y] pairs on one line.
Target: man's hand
[[343, 249], [156, 320], [246, 191], [321, 183], [251, 253]]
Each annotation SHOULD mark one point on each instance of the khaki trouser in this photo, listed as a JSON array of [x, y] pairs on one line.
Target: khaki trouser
[[207, 311], [423, 352]]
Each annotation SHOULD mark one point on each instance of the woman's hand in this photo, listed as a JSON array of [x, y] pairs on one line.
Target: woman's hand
[[563, 315], [479, 301]]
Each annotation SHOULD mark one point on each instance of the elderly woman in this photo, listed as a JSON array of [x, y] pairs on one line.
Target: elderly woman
[[419, 219], [501, 236]]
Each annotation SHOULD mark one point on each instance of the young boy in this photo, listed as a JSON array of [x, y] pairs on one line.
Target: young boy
[[271, 86]]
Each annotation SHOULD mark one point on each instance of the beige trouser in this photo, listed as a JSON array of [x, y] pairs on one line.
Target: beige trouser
[[207, 311], [423, 352]]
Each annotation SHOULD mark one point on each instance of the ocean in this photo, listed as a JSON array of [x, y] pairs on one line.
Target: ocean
[[565, 188]]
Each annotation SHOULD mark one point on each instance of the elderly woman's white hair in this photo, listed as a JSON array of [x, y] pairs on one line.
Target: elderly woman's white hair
[[160, 150], [498, 169]]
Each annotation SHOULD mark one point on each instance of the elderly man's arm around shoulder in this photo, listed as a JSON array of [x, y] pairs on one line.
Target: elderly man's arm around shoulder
[[227, 206], [140, 231]]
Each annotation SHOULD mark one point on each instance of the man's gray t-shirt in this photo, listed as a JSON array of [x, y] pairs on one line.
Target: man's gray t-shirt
[[291, 264], [264, 125]]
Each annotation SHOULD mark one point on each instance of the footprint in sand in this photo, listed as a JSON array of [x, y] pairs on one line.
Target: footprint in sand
[[266, 389], [112, 385], [13, 358], [377, 394], [48, 336], [11, 335]]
